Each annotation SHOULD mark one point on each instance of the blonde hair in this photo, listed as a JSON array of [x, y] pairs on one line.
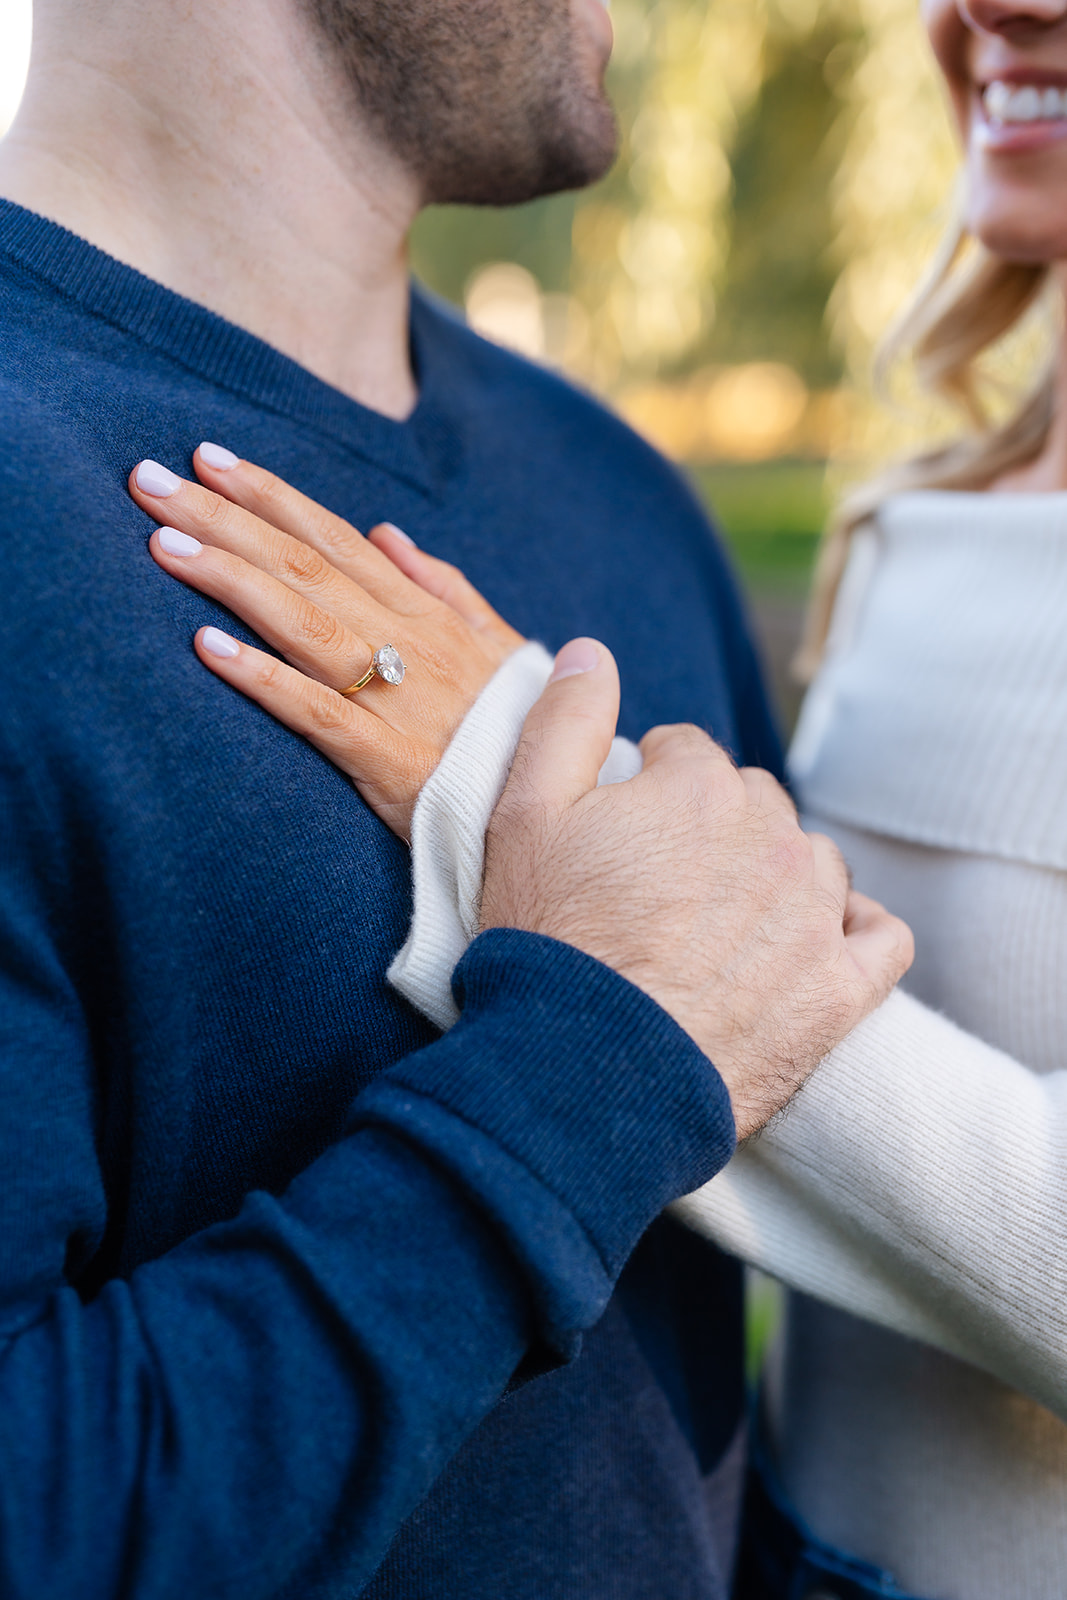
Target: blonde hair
[[967, 302]]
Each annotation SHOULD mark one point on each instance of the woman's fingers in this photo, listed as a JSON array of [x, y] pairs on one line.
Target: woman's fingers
[[278, 504], [259, 517], [310, 637], [387, 769], [443, 581], [326, 599], [882, 946], [217, 521]]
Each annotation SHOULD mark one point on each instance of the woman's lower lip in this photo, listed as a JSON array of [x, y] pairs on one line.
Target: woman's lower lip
[[1016, 138]]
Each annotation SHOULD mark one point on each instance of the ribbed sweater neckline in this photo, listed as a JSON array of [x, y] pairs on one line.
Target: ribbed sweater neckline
[[942, 508], [940, 713], [422, 450]]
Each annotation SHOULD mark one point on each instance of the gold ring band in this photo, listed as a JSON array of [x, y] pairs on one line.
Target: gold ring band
[[361, 683]]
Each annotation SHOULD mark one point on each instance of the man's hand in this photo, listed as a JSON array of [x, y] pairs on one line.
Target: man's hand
[[695, 882]]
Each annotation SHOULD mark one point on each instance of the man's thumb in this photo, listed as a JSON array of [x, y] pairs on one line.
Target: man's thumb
[[568, 734]]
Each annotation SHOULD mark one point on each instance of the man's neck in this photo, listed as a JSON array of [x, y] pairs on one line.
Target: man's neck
[[231, 168]]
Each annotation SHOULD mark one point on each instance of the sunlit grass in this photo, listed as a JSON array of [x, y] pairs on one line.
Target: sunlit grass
[[771, 514]]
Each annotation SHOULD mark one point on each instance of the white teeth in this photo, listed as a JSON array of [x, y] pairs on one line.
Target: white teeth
[[997, 97], [1024, 104]]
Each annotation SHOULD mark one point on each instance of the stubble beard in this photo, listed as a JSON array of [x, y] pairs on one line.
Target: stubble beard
[[487, 102]]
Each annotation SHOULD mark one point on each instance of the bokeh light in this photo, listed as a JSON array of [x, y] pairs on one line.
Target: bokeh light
[[785, 168]]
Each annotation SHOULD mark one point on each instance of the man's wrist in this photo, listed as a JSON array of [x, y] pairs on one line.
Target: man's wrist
[[570, 1102]]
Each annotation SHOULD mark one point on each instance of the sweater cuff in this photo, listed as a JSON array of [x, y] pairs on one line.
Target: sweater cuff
[[449, 826], [570, 1105]]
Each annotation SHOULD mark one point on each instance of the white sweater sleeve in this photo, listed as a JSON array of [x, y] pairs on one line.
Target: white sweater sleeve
[[449, 826], [919, 1180]]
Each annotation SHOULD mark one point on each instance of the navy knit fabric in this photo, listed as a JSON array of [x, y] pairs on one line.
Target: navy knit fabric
[[296, 1298]]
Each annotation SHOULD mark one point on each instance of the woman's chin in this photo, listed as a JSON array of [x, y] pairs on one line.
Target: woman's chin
[[1015, 233]]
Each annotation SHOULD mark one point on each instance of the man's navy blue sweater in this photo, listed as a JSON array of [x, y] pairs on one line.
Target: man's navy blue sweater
[[298, 1298]]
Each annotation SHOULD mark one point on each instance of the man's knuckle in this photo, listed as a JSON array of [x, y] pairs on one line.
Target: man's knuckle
[[696, 744], [792, 854]]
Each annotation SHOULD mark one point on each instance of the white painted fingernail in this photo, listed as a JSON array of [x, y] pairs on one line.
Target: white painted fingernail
[[156, 480], [178, 544], [217, 643], [217, 456], [406, 537]]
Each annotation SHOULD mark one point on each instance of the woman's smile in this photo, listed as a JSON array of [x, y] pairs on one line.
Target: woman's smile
[[1023, 115], [1005, 67]]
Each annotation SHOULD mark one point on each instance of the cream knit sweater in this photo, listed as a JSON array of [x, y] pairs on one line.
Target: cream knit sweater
[[919, 1182]]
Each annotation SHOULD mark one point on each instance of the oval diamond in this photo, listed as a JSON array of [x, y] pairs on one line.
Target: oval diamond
[[388, 665]]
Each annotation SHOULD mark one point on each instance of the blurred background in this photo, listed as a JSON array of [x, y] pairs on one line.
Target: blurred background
[[785, 169]]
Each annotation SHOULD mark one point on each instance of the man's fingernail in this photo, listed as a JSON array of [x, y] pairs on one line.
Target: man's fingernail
[[217, 456], [406, 537], [156, 480], [217, 643], [178, 544], [581, 655]]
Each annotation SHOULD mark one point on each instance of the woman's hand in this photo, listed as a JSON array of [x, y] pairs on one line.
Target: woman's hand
[[326, 598]]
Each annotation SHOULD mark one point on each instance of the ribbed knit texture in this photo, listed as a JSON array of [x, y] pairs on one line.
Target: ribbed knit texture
[[448, 834], [249, 1318], [920, 1178], [534, 1125], [937, 667], [449, 827]]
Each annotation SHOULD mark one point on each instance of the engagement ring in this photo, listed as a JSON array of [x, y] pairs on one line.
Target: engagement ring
[[385, 664]]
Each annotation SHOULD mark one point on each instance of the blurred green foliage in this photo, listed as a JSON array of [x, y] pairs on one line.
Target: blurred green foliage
[[776, 280], [771, 514], [781, 266], [450, 243], [779, 263]]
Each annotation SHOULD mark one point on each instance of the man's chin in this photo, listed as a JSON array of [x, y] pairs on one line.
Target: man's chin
[[583, 159], [494, 114], [578, 157]]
